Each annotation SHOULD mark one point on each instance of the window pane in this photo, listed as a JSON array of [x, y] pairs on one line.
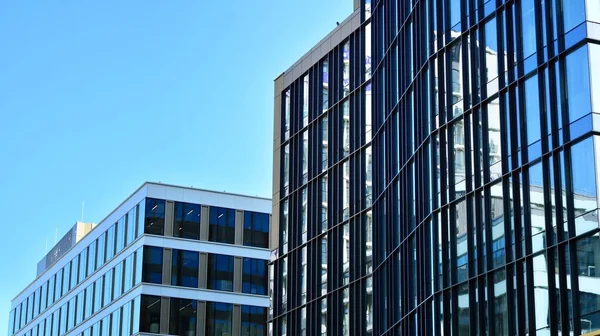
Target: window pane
[[253, 321], [578, 86], [346, 253], [150, 314], [528, 26], [185, 265], [346, 128], [324, 205], [303, 275], [588, 265], [304, 157], [532, 110], [284, 283], [256, 229], [346, 190], [222, 225], [220, 272], [218, 318], [325, 79], [155, 217], [254, 276], [152, 267], [584, 185], [305, 91], [187, 221], [323, 265], [304, 215], [573, 13], [346, 73], [182, 320], [536, 207]]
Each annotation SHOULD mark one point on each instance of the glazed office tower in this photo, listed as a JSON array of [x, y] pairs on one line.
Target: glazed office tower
[[436, 172], [167, 261]]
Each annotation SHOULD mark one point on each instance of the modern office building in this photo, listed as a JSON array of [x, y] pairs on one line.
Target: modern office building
[[168, 260], [437, 172]]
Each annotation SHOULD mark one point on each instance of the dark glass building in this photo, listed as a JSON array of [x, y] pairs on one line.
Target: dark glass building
[[435, 172], [167, 261]]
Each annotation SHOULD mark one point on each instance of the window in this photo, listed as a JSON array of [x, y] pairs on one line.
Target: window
[[256, 229], [346, 73], [66, 282], [578, 86], [532, 110], [74, 271], [82, 265], [324, 135], [150, 314], [588, 266], [286, 117], [187, 221], [346, 253], [304, 157], [110, 243], [155, 217], [131, 226], [182, 320], [346, 128], [324, 204], [91, 264], [253, 321], [346, 190], [108, 282], [152, 267], [584, 185], [220, 272], [286, 168], [222, 225], [184, 271], [218, 318], [324, 265], [254, 276], [325, 85], [528, 26], [305, 102], [303, 275], [121, 232], [304, 215], [284, 227], [284, 288]]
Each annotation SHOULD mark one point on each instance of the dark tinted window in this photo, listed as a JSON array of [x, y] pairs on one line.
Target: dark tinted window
[[220, 272], [218, 318], [155, 217], [150, 314], [222, 225], [253, 321], [184, 271], [187, 220], [254, 276], [152, 267], [182, 320], [256, 229]]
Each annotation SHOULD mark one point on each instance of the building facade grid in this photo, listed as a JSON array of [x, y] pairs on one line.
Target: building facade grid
[[438, 174]]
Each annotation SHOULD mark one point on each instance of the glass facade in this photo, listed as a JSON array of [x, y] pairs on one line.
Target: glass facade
[[453, 178], [94, 282]]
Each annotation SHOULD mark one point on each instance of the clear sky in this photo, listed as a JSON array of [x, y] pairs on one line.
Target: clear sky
[[97, 97]]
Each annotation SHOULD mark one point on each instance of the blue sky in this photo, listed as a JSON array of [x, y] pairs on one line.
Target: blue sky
[[97, 97]]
